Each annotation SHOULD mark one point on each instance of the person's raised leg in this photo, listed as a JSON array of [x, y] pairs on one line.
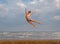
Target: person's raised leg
[[36, 21], [31, 24]]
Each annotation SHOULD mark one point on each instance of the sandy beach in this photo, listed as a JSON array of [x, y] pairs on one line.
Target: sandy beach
[[29, 41]]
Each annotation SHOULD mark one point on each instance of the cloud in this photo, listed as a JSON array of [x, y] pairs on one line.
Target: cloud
[[56, 17], [33, 2], [1, 5], [37, 11], [56, 3], [3, 10], [41, 0], [57, 0], [21, 5]]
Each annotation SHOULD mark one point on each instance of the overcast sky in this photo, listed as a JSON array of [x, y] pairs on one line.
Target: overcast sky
[[12, 15]]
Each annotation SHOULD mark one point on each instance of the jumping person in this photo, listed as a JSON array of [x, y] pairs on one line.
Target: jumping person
[[29, 20]]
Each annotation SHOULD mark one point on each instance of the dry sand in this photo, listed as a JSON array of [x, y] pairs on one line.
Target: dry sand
[[29, 41]]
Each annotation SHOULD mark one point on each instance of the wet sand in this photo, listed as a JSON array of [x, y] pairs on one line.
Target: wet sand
[[29, 41]]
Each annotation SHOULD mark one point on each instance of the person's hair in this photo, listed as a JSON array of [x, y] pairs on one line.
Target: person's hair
[[29, 11]]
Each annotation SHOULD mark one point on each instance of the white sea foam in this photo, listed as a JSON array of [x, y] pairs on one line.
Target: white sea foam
[[29, 35]]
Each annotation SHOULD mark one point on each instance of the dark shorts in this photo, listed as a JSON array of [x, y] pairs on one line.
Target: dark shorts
[[29, 20]]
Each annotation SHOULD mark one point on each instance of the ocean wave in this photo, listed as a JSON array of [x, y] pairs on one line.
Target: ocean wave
[[29, 35]]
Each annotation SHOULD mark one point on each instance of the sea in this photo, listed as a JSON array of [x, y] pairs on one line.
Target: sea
[[31, 35]]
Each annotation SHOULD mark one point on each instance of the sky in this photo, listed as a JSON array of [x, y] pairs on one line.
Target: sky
[[12, 15]]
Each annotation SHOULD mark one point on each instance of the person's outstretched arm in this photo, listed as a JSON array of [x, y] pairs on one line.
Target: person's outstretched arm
[[25, 10]]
